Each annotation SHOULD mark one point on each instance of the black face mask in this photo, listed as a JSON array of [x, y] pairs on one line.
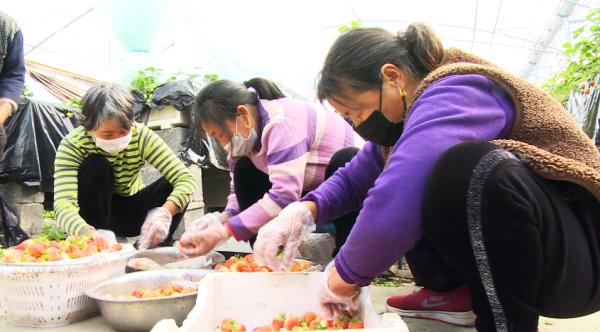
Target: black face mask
[[377, 129]]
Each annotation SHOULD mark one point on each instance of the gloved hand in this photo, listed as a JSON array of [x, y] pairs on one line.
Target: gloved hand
[[155, 228], [105, 235], [288, 229], [334, 304], [200, 242], [206, 220]]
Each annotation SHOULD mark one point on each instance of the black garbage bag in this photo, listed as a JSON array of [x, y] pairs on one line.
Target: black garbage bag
[[179, 94], [203, 150], [11, 233], [140, 106], [33, 135]]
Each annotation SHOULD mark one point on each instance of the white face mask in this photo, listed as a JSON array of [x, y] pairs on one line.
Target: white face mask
[[114, 145], [239, 146]]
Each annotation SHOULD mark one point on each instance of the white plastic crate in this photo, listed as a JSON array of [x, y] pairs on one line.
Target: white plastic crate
[[52, 294], [253, 299]]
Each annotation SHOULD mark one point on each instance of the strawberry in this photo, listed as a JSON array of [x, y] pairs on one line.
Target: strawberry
[[339, 324], [221, 267], [136, 293], [309, 316], [36, 250], [23, 245], [290, 322], [278, 322], [230, 325], [355, 324], [116, 247]]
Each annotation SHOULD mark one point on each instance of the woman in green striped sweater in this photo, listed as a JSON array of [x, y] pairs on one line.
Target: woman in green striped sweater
[[97, 178]]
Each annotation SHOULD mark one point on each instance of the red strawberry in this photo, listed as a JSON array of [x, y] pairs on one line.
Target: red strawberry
[[23, 245], [290, 322], [339, 324], [36, 250], [309, 316], [278, 322], [356, 324], [136, 293]]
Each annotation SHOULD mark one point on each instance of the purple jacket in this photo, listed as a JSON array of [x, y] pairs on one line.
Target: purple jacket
[[452, 110]]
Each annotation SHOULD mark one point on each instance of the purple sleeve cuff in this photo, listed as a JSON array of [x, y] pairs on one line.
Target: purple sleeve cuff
[[347, 275], [317, 198], [240, 232]]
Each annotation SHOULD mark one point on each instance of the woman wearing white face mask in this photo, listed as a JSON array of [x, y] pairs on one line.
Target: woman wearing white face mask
[[97, 179], [278, 148]]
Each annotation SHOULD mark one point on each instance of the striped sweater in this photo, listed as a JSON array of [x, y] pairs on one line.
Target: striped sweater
[[297, 140], [145, 146]]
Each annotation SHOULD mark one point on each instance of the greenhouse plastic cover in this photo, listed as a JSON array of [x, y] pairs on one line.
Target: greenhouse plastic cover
[[283, 40]]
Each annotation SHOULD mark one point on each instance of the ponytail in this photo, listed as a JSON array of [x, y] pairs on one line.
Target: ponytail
[[264, 88]]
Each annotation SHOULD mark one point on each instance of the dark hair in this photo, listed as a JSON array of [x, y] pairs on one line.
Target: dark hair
[[356, 57], [219, 100], [104, 102]]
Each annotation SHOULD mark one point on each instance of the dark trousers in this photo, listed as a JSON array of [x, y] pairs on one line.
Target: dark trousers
[[101, 208], [251, 184], [525, 246]]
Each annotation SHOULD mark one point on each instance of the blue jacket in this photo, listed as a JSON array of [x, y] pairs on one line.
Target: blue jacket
[[12, 62]]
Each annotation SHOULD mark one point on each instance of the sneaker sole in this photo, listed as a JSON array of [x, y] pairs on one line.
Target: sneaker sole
[[465, 319]]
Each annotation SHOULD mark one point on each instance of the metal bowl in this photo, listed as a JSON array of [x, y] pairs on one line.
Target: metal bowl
[[132, 314]]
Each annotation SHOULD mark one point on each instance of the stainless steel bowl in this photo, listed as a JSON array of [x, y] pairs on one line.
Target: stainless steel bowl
[[132, 314]]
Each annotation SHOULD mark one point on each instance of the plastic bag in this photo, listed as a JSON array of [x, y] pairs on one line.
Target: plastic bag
[[11, 233], [179, 94], [33, 134]]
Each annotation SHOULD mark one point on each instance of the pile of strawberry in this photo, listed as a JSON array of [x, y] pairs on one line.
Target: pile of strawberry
[[247, 264], [53, 245], [171, 289], [307, 322]]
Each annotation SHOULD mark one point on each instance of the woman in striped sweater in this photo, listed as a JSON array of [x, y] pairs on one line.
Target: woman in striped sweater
[[278, 148], [97, 178]]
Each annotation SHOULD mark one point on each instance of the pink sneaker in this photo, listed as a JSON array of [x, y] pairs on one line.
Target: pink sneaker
[[449, 307]]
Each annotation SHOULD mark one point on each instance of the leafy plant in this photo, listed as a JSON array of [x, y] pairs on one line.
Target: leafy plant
[[146, 81], [53, 233], [26, 93], [48, 214], [210, 77], [583, 55], [353, 25]]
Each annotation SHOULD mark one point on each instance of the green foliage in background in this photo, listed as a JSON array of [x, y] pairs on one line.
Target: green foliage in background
[[352, 25], [583, 55]]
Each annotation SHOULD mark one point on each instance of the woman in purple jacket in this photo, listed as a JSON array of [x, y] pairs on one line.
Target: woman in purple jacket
[[480, 230]]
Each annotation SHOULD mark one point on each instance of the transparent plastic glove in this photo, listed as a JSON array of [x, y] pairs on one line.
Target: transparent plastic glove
[[206, 220], [105, 235], [155, 228], [287, 230], [334, 305], [197, 243]]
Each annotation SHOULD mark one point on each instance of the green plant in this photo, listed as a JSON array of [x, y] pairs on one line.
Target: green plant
[[583, 55], [48, 214], [53, 233], [353, 25], [146, 81], [210, 78], [26, 93]]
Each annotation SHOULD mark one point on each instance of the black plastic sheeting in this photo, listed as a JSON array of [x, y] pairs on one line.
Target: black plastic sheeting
[[203, 150], [11, 233], [179, 94], [33, 134]]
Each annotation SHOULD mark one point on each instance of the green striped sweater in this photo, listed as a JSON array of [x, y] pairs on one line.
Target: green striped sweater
[[145, 146]]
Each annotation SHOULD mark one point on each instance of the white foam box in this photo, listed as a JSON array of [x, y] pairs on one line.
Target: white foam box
[[253, 299]]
